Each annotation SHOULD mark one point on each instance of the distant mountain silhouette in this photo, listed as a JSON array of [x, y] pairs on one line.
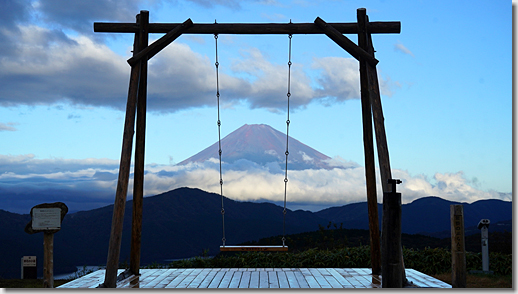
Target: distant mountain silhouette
[[263, 144], [425, 215], [184, 222]]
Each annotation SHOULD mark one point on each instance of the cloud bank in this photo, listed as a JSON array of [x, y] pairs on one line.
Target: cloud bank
[[86, 184], [49, 54]]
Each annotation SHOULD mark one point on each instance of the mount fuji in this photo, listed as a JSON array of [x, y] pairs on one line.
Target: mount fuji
[[263, 145]]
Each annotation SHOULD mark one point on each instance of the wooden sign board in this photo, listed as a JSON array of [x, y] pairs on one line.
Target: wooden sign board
[[46, 217]]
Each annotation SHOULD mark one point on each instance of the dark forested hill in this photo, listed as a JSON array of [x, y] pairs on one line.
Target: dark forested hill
[[185, 222], [426, 215]]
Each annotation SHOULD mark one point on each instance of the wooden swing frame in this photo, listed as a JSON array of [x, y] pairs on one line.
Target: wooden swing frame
[[136, 106]]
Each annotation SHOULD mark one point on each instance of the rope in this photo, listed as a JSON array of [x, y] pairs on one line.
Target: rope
[[219, 142], [287, 152]]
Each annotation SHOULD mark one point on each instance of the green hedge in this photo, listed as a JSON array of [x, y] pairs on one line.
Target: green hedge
[[428, 261]]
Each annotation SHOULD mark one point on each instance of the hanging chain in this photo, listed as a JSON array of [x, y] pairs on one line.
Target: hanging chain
[[287, 152], [219, 142]]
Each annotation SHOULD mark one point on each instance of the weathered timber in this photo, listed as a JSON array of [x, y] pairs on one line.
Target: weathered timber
[[161, 43], [138, 183], [379, 124], [377, 113], [391, 238], [388, 27], [48, 260], [253, 248], [344, 42], [114, 246], [368, 147], [458, 251]]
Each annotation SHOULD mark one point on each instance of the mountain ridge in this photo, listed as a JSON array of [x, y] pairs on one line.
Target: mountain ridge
[[262, 144], [185, 222]]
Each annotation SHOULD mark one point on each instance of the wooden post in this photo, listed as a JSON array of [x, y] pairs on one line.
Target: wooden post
[[161, 43], [112, 263], [377, 112], [138, 178], [47, 218], [48, 260], [344, 42], [391, 256], [370, 171], [458, 253]]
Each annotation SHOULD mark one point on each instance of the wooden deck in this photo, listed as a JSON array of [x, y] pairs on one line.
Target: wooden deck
[[254, 278]]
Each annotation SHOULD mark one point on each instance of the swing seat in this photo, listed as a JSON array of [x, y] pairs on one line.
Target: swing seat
[[254, 248]]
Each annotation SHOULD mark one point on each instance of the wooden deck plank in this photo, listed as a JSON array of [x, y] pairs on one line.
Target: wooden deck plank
[[292, 280], [202, 273], [208, 278], [349, 275], [173, 274], [236, 279], [263, 279], [300, 279], [283, 280], [320, 279], [343, 281], [273, 281], [225, 281], [217, 279], [189, 278], [254, 279], [148, 279], [330, 278], [245, 280], [312, 282], [137, 282], [309, 278], [176, 281]]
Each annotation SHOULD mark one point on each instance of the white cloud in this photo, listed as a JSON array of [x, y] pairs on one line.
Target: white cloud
[[50, 67], [401, 48], [269, 86], [8, 127], [306, 157], [339, 79], [90, 181]]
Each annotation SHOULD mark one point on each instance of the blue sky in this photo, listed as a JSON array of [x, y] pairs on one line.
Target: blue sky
[[446, 83]]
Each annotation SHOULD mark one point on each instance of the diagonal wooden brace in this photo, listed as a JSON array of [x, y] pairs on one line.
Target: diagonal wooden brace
[[161, 43], [344, 42]]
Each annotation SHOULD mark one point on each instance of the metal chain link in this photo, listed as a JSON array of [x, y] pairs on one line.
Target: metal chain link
[[287, 152], [223, 239]]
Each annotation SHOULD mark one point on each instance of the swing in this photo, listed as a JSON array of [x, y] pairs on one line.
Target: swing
[[267, 248]]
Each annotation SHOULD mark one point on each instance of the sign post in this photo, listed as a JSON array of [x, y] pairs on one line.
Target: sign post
[[47, 218], [483, 226], [458, 252], [29, 269]]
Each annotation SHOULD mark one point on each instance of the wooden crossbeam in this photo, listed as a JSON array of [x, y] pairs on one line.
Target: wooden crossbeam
[[253, 248], [387, 27], [161, 43], [344, 42]]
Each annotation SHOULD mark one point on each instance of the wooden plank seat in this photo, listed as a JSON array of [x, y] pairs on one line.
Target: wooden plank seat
[[254, 248]]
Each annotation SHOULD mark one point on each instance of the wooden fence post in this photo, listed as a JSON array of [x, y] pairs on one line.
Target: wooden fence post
[[458, 253]]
